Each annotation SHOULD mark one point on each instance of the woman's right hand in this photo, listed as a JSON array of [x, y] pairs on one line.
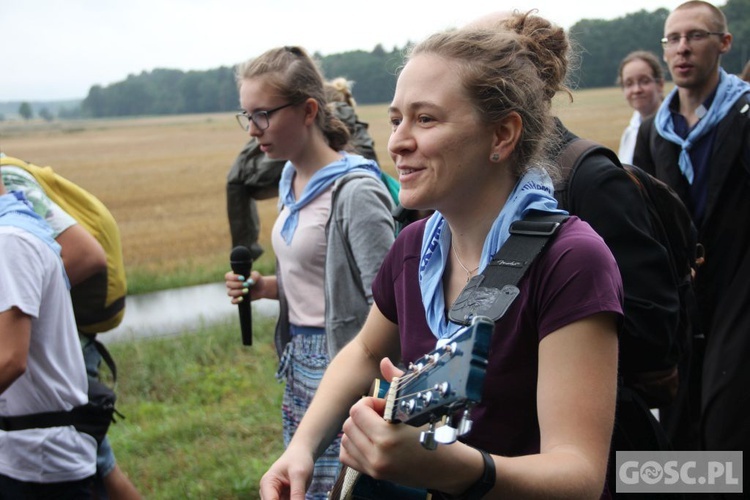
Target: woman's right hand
[[241, 288], [288, 477]]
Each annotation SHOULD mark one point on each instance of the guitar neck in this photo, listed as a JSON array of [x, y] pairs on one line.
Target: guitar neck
[[441, 382]]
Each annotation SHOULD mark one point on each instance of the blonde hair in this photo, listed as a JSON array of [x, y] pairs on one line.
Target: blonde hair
[[504, 69], [340, 90], [293, 73]]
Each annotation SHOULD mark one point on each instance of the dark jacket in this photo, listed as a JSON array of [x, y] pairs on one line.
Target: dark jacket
[[723, 281]]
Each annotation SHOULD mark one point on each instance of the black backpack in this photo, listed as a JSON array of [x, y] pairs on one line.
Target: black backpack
[[671, 224]]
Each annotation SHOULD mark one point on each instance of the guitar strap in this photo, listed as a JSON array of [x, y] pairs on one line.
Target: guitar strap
[[491, 292], [487, 294]]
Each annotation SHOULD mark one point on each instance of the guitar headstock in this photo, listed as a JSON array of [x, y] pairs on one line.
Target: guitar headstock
[[446, 380]]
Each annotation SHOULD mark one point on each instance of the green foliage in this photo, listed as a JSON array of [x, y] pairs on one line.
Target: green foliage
[[141, 280], [202, 411], [46, 114], [738, 17], [602, 44], [167, 91], [25, 111], [374, 73], [71, 112], [164, 92]]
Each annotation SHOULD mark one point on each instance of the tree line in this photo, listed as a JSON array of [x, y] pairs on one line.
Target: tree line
[[603, 44], [169, 91], [600, 44]]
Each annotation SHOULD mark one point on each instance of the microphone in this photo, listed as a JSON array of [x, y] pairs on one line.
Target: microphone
[[241, 261]]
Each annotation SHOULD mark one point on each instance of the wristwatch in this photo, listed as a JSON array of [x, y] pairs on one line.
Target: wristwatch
[[485, 483], [480, 488]]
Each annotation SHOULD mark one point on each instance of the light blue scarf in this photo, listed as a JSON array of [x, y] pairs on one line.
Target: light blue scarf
[[16, 211], [319, 182], [533, 191], [729, 90]]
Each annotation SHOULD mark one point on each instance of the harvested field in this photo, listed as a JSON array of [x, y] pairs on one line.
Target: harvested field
[[163, 177]]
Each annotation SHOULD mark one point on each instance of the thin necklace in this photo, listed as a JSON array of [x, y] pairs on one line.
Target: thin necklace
[[468, 273]]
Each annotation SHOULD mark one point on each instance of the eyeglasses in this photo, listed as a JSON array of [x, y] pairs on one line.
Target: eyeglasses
[[259, 118], [641, 82], [673, 39]]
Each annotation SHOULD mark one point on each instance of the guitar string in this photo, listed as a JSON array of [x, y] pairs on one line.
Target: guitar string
[[404, 381]]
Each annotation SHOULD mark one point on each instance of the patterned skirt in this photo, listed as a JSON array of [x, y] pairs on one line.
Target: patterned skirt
[[302, 364]]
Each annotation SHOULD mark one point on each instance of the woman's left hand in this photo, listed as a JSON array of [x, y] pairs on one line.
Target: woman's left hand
[[381, 449]]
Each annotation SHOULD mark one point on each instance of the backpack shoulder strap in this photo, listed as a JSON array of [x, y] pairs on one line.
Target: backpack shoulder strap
[[570, 158], [107, 358], [492, 292], [572, 154]]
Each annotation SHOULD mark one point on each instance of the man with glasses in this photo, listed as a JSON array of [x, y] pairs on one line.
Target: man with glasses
[[698, 144]]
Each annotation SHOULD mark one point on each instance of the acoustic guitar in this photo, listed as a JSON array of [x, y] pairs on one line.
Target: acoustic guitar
[[444, 384]]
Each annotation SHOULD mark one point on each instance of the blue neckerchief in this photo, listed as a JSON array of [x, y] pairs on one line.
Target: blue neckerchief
[[533, 191], [319, 182], [16, 211], [729, 90]]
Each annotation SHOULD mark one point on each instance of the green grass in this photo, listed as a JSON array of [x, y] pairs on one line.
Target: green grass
[[203, 412], [142, 280]]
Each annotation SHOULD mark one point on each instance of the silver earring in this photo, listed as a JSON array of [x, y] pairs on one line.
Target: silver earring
[[495, 157]]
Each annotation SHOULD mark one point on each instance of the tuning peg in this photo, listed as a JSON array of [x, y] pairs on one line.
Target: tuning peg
[[464, 426], [446, 434], [427, 438]]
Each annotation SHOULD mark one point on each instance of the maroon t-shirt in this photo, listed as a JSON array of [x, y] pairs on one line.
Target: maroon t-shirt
[[575, 277]]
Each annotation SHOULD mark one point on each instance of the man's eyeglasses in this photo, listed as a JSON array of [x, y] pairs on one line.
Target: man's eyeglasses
[[673, 39], [259, 118]]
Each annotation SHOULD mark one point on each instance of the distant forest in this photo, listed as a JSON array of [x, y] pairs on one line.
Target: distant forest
[[600, 45]]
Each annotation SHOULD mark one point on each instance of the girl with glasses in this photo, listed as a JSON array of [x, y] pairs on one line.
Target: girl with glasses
[[641, 77], [330, 237]]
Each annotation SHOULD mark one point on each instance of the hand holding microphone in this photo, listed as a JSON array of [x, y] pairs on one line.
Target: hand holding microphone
[[242, 262]]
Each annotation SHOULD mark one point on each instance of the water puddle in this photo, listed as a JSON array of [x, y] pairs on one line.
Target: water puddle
[[171, 312]]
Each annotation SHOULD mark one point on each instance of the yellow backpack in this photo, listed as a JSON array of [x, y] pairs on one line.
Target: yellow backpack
[[98, 302]]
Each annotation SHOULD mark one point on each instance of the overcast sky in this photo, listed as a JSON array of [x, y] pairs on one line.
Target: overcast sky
[[58, 49]]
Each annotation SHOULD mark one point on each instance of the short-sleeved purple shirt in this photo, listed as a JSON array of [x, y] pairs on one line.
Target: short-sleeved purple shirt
[[575, 277]]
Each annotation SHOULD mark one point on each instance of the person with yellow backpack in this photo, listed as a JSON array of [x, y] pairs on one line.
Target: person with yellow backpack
[[92, 257]]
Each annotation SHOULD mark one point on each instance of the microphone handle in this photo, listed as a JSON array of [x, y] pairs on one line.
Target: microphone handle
[[242, 265], [246, 322]]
